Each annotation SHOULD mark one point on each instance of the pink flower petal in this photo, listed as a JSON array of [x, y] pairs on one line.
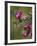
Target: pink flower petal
[[24, 34], [30, 34], [28, 26], [18, 14]]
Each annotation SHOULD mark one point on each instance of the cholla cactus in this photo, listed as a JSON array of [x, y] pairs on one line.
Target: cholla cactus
[[27, 26]]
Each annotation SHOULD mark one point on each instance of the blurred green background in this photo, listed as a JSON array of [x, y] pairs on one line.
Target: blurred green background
[[15, 32]]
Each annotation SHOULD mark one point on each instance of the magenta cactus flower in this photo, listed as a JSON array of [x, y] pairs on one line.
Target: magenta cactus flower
[[18, 14], [30, 34], [28, 26], [24, 34]]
